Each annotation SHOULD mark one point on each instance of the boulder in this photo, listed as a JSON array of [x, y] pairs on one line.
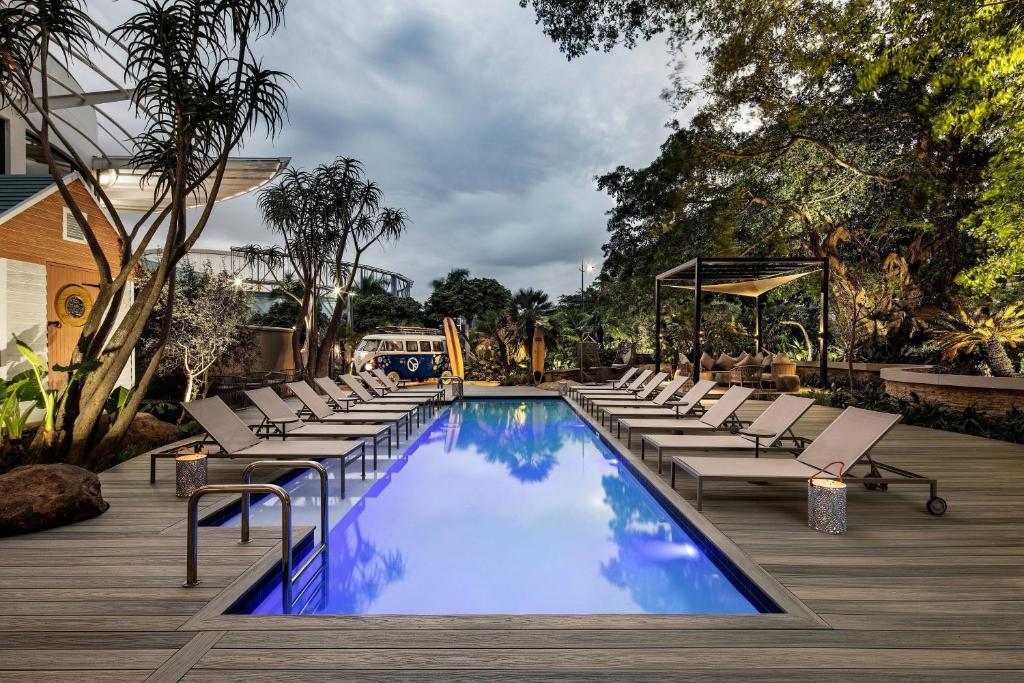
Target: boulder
[[147, 432], [37, 497]]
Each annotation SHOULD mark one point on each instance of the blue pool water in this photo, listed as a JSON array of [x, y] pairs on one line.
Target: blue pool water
[[505, 507]]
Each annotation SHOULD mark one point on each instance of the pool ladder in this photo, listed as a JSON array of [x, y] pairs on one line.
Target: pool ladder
[[246, 488], [458, 385]]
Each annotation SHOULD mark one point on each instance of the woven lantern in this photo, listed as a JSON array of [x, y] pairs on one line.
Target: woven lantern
[[826, 502], [191, 472]]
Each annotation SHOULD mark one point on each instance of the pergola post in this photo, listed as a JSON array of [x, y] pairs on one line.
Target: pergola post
[[657, 325], [758, 329], [697, 284], [823, 325]]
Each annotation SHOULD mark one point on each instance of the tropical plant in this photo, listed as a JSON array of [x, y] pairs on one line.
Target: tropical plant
[[201, 90], [328, 218], [530, 309], [45, 398], [12, 417], [967, 331]]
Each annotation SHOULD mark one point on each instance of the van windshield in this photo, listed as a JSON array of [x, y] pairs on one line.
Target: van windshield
[[368, 345]]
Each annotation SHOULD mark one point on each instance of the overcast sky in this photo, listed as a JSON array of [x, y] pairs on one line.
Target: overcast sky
[[470, 119]]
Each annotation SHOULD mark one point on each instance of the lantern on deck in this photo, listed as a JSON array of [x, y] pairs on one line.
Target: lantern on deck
[[826, 502], [191, 472]]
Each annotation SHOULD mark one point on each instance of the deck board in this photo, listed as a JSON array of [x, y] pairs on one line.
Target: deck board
[[905, 596]]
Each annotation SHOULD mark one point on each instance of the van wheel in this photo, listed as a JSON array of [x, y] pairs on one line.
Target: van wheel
[[394, 377]]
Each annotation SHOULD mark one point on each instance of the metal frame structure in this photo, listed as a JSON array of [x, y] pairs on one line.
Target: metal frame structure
[[717, 273]]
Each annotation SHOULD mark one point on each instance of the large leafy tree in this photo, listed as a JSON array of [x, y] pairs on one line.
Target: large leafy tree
[[883, 135], [457, 295], [200, 89], [327, 219]]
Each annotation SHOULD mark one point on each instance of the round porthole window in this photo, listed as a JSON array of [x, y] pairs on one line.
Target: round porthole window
[[73, 304]]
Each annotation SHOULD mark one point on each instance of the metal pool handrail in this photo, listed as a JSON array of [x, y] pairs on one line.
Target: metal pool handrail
[[320, 549], [247, 488], [458, 385]]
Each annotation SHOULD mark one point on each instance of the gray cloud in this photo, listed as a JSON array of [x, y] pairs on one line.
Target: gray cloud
[[471, 120]]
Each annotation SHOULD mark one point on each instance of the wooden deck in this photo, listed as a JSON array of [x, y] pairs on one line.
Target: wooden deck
[[903, 596]]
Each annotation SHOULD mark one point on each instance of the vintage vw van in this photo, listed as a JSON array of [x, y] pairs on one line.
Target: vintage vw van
[[418, 355]]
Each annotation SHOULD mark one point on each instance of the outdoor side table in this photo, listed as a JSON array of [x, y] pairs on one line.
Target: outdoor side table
[[757, 434], [281, 425]]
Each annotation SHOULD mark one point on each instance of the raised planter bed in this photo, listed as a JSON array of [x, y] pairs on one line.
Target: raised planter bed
[[990, 395]]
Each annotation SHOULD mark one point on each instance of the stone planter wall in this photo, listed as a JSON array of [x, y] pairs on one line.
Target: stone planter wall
[[990, 395], [838, 370]]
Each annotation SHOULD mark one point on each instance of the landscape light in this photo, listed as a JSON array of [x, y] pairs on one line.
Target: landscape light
[[238, 281]]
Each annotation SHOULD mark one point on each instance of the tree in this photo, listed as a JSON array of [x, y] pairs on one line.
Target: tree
[[328, 218], [206, 322], [201, 90], [458, 295], [892, 122], [530, 309]]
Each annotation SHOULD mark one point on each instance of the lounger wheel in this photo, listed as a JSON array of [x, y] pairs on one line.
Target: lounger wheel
[[937, 506]]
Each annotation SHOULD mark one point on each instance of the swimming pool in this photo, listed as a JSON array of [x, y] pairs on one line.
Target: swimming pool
[[507, 507]]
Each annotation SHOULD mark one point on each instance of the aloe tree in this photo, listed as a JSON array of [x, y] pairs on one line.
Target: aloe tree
[[200, 90], [327, 218]]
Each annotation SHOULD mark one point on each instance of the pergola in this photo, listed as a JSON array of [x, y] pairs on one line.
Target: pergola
[[746, 277]]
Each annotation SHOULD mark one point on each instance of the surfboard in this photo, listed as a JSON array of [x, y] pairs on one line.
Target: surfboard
[[451, 338], [537, 354]]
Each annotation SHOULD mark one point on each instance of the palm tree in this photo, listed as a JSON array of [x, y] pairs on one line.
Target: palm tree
[[983, 330], [530, 308]]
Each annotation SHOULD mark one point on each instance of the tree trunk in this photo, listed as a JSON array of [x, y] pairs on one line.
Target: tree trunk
[[320, 360], [998, 360]]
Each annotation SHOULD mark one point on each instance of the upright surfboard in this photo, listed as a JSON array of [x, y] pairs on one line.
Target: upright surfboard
[[451, 338], [537, 354]]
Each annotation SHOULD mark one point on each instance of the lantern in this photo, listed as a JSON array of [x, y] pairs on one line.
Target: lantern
[[826, 502]]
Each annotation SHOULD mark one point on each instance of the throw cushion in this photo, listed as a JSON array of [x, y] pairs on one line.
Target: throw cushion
[[725, 362], [706, 361]]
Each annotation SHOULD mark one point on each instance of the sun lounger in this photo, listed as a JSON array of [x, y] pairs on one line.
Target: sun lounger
[[395, 387], [722, 415], [662, 406], [643, 394], [616, 384], [646, 390], [280, 420], [843, 445], [315, 407], [378, 389], [366, 401], [663, 396], [632, 387], [235, 440], [772, 427]]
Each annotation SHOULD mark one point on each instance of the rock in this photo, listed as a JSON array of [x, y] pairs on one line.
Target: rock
[[147, 432], [37, 497]]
